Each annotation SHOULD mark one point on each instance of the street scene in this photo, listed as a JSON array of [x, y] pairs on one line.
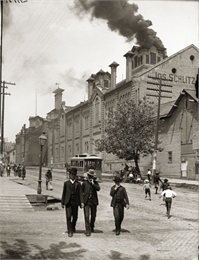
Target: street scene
[[147, 233], [99, 129]]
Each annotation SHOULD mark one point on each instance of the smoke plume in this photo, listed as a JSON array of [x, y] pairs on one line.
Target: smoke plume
[[121, 17]]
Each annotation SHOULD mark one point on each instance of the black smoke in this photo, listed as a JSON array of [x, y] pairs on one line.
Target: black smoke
[[121, 17]]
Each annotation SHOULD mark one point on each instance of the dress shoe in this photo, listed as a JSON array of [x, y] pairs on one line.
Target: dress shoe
[[70, 234], [117, 233], [92, 230], [88, 234]]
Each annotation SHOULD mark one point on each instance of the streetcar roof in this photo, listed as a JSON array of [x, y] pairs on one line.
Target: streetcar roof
[[75, 158]]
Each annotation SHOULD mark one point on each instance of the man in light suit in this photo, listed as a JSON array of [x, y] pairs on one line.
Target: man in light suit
[[72, 198]]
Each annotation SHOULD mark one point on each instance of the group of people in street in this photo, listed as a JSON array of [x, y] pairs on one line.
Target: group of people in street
[[85, 196], [167, 193], [130, 174], [18, 170]]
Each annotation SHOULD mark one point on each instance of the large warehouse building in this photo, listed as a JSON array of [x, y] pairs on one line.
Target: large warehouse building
[[73, 130]]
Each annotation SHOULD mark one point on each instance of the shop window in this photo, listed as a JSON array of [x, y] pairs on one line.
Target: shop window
[[170, 157]]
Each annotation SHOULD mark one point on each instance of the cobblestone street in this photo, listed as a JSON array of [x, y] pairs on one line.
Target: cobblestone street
[[147, 232]]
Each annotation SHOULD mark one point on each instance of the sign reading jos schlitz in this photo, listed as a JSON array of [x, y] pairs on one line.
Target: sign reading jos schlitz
[[175, 78]]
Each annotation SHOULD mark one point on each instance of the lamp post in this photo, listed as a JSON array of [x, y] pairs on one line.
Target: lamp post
[[42, 141]]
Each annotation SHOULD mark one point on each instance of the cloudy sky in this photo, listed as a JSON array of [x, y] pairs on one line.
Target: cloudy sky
[[46, 42]]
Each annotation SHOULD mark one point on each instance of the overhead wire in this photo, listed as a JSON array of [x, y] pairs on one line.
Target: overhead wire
[[23, 48], [46, 48], [17, 37], [39, 46]]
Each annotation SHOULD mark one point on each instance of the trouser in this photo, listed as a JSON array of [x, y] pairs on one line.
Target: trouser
[[168, 202], [118, 213], [71, 216], [47, 185], [156, 187], [148, 191], [90, 211]]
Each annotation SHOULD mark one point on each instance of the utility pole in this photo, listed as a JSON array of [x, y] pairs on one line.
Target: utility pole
[[1, 70], [157, 93], [3, 112]]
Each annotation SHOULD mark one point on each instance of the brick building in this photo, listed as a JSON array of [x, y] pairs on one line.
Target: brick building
[[27, 142], [73, 130]]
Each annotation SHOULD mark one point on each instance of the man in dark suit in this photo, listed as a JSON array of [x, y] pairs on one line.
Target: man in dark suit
[[89, 188], [72, 198], [118, 202]]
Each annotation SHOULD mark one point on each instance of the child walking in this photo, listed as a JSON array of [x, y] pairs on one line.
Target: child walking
[[169, 195], [118, 202], [147, 189]]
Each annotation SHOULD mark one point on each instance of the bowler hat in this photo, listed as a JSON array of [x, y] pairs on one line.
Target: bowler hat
[[165, 180], [117, 179], [73, 171], [91, 173]]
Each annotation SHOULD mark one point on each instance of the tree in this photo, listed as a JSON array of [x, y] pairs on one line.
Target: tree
[[129, 131]]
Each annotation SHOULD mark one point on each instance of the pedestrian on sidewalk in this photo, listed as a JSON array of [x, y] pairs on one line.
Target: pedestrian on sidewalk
[[169, 194], [90, 187], [149, 174], [147, 189], [72, 198], [49, 178], [8, 169], [118, 202]]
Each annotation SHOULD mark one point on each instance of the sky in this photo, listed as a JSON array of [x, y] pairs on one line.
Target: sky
[[51, 43]]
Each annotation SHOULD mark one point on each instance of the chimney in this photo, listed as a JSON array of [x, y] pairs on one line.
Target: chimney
[[113, 66], [58, 98], [90, 86], [129, 56]]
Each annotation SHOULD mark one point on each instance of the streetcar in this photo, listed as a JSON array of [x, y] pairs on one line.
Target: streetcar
[[84, 162]]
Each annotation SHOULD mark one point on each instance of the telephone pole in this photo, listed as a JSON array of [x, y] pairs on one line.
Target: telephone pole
[[157, 92], [3, 113]]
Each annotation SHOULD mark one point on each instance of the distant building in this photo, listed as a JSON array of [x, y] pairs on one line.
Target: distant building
[[27, 142]]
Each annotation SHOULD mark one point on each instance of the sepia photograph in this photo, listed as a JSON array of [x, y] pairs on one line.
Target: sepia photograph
[[99, 129]]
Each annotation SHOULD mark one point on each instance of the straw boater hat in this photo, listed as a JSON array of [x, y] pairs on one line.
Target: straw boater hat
[[146, 181], [91, 173]]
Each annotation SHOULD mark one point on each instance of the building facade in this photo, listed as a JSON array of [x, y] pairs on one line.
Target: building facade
[[73, 130], [27, 143]]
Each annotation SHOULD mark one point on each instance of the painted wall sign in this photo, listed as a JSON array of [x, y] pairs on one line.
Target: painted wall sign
[[175, 78]]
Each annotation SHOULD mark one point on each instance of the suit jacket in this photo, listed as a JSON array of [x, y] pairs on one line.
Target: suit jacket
[[66, 194], [86, 185], [123, 196]]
